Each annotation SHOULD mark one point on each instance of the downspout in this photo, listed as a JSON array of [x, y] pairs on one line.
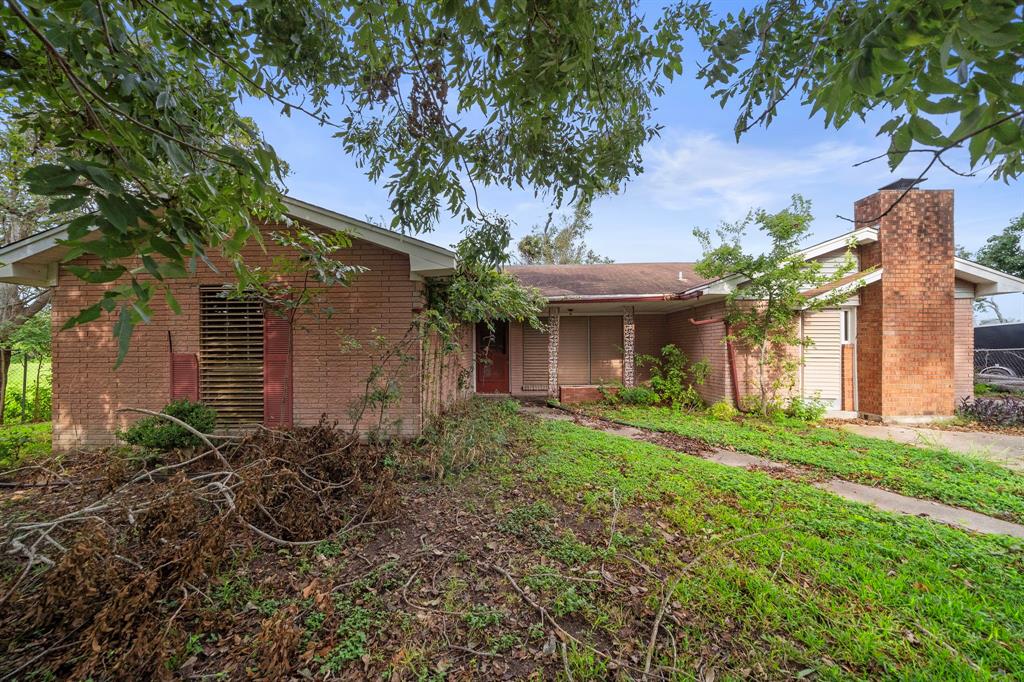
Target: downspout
[[730, 354]]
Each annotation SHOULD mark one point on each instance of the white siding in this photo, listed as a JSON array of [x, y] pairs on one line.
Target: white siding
[[823, 360], [831, 262]]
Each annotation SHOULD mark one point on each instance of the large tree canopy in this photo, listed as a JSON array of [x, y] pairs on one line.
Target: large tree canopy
[[950, 73], [433, 98]]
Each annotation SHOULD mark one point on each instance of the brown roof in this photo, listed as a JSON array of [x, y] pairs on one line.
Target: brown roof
[[612, 279]]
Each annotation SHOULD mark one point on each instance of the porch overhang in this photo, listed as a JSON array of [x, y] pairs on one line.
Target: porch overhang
[[987, 281]]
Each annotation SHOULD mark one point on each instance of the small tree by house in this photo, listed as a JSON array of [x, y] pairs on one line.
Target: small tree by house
[[763, 309]]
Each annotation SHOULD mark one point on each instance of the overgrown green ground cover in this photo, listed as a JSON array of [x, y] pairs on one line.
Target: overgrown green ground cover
[[777, 577], [928, 473], [20, 443]]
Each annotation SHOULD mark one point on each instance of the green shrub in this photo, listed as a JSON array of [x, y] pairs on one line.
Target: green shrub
[[806, 409], [610, 392], [638, 395], [156, 433], [674, 377], [11, 446], [723, 409]]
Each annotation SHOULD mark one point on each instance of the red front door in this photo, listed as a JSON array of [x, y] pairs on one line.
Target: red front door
[[492, 358]]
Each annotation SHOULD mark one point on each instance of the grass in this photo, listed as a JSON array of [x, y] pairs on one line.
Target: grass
[[20, 443], [14, 378], [777, 578], [935, 474]]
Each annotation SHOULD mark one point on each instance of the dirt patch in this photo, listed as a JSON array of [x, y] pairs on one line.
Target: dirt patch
[[487, 576]]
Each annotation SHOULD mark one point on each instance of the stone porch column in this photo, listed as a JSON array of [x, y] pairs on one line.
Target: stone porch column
[[553, 354], [628, 349]]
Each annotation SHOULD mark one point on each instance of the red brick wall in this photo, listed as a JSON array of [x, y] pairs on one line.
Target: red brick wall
[[905, 322], [704, 342], [87, 391], [869, 330], [651, 337], [963, 348], [849, 399], [446, 375]]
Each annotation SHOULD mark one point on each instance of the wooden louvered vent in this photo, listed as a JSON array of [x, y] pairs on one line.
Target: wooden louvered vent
[[231, 357], [535, 358]]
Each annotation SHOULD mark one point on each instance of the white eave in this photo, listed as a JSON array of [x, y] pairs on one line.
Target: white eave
[[852, 286], [33, 261], [987, 281], [726, 285], [425, 259], [863, 235]]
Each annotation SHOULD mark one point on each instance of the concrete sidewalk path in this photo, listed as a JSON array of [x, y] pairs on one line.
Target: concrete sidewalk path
[[1001, 448], [876, 497]]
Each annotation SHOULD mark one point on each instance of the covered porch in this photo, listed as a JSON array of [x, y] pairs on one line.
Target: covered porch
[[588, 344]]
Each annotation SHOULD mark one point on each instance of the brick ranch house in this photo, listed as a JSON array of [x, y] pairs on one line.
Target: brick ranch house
[[900, 348], [251, 366]]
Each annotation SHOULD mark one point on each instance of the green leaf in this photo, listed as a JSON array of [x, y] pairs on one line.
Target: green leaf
[[86, 315], [1007, 132], [48, 178], [164, 248], [172, 302], [151, 267], [123, 329], [100, 275]]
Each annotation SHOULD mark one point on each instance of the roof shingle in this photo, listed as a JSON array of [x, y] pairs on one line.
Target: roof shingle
[[608, 279]]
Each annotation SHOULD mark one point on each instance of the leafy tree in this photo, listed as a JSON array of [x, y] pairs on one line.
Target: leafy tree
[[1004, 251], [562, 242], [763, 309], [435, 99], [479, 292], [950, 72], [22, 214]]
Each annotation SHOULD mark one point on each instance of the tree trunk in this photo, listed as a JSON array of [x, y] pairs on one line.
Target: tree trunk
[[24, 387], [762, 381], [5, 366], [35, 401]]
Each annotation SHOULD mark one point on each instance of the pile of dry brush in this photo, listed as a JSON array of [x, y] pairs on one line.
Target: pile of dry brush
[[95, 591]]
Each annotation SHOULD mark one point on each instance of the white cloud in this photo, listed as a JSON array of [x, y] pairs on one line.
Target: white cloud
[[705, 172]]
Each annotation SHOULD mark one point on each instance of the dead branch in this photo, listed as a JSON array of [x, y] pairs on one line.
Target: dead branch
[[653, 639]]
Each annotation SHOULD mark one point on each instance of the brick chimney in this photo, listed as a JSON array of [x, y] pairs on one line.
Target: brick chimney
[[905, 332]]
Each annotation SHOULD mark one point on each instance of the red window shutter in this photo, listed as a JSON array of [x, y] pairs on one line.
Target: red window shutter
[[277, 370], [184, 376]]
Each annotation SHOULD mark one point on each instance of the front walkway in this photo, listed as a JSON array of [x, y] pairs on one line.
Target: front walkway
[[1001, 448], [882, 499]]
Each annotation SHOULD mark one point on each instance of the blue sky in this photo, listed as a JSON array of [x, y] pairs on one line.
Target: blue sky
[[696, 175]]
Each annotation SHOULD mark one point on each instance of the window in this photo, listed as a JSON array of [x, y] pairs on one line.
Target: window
[[231, 357], [847, 325]]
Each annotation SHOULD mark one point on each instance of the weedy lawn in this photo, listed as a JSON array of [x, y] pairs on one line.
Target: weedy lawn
[[777, 577], [928, 473], [523, 549]]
